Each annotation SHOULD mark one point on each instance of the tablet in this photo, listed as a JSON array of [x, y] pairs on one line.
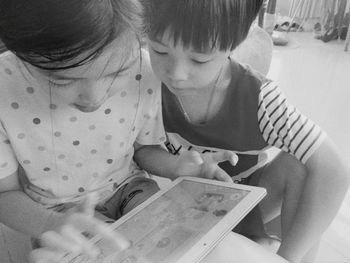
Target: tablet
[[181, 223]]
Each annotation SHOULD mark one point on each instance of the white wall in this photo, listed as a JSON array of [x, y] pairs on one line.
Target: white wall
[[283, 7]]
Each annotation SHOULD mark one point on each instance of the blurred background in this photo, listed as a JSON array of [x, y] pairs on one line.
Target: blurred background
[[311, 61]]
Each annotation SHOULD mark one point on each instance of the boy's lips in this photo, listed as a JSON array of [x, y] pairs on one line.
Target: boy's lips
[[177, 87], [182, 89]]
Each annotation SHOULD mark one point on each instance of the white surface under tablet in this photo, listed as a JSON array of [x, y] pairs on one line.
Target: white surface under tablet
[[181, 223]]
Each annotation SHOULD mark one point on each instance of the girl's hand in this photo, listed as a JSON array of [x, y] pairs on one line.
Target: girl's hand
[[73, 236], [192, 163]]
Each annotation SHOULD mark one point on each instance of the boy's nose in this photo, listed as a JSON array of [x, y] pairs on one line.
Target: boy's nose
[[177, 71]]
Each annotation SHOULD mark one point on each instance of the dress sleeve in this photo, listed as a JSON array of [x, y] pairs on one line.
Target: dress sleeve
[[284, 127], [8, 161]]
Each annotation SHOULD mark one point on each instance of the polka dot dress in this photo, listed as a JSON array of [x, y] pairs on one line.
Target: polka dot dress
[[65, 152]]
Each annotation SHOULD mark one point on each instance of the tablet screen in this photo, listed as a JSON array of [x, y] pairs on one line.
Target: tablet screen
[[163, 230], [177, 220]]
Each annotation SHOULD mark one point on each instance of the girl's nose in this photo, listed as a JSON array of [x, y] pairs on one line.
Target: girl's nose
[[90, 93]]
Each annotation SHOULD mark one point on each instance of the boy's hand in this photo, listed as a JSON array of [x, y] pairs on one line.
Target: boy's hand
[[73, 236], [192, 163]]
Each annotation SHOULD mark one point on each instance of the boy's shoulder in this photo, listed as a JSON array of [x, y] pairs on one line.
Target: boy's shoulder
[[246, 78]]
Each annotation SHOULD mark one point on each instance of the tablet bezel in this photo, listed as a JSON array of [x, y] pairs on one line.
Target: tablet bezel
[[227, 223], [197, 252]]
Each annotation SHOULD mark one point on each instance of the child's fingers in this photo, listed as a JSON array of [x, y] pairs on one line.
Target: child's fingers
[[118, 239], [221, 175], [213, 171], [193, 158], [52, 239], [84, 245], [222, 156], [85, 222], [45, 255], [233, 158], [88, 204], [94, 226]]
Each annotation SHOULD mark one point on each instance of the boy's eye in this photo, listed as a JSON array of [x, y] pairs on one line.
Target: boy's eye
[[159, 52], [200, 62]]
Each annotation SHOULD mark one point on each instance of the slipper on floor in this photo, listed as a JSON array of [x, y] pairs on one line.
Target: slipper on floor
[[343, 32], [296, 27], [318, 32], [282, 27], [331, 34], [280, 38]]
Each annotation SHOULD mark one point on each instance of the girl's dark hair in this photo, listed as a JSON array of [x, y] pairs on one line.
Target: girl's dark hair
[[202, 24], [49, 34]]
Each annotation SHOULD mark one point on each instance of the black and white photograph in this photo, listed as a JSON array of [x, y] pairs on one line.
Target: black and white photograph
[[174, 131]]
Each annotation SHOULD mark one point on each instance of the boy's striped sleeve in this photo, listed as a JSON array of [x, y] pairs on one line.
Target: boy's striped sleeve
[[284, 127]]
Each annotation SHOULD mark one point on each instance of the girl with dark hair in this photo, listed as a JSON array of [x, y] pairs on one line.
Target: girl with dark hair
[[212, 104], [77, 99]]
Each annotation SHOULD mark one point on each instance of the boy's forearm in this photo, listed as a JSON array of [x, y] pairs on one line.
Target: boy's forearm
[[324, 190], [21, 213], [156, 160], [312, 219]]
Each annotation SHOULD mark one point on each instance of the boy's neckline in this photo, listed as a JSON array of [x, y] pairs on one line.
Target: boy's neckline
[[213, 103]]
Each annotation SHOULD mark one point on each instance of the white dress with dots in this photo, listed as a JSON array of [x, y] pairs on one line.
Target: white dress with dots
[[64, 152]]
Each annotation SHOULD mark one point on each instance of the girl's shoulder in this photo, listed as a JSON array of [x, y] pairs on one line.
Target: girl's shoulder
[[8, 63], [14, 82], [10, 71]]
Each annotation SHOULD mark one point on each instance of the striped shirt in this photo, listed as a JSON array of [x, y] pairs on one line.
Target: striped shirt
[[284, 127]]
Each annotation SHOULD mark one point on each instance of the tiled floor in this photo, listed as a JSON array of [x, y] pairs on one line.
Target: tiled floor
[[316, 78]]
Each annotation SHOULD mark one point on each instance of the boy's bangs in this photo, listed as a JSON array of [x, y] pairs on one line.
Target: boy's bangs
[[187, 28], [202, 24]]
